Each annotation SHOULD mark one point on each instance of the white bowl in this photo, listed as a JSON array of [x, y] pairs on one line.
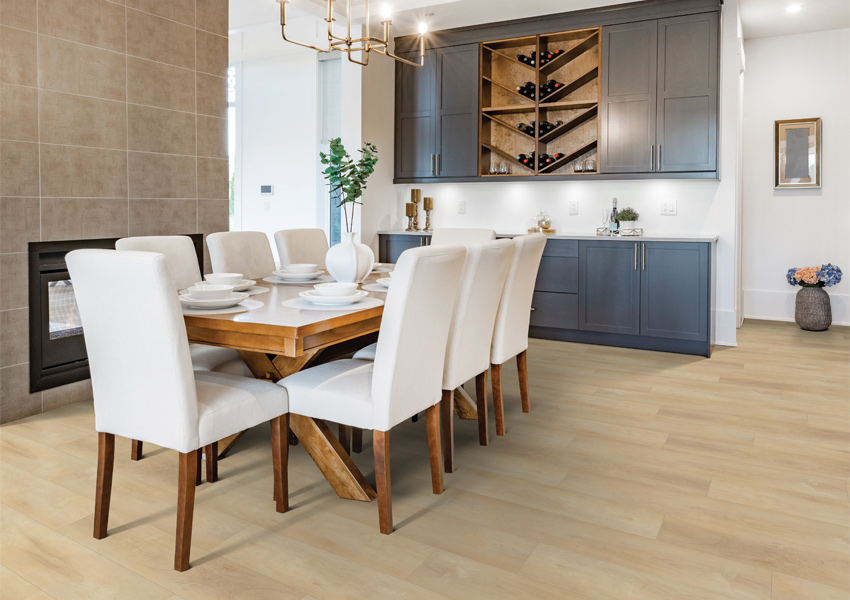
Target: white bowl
[[210, 291], [224, 278], [300, 268], [384, 281], [335, 289]]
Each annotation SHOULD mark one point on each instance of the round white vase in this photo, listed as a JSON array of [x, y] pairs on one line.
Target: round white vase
[[349, 261]]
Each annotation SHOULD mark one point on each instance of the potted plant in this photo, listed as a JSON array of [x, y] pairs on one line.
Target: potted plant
[[349, 261], [812, 310], [627, 218]]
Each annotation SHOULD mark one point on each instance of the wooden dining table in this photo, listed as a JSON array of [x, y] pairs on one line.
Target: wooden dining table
[[276, 341]]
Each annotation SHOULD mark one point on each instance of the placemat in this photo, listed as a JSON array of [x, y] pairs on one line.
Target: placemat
[[257, 289], [243, 306], [375, 287], [319, 279], [302, 304]]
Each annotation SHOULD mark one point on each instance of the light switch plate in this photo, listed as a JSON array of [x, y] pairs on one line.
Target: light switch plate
[[668, 207], [461, 207], [573, 207]]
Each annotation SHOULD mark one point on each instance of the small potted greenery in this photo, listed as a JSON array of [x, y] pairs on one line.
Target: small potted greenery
[[627, 218]]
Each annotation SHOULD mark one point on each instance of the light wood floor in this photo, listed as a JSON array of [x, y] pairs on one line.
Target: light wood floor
[[637, 475]]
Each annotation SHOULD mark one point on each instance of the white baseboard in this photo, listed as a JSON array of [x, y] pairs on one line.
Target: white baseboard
[[779, 306]]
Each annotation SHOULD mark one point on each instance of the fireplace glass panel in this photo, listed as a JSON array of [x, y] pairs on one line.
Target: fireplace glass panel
[[63, 316]]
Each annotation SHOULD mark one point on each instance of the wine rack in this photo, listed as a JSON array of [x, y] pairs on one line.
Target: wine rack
[[572, 106]]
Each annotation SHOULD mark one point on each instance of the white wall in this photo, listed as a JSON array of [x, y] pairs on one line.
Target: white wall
[[279, 118], [791, 77], [703, 206]]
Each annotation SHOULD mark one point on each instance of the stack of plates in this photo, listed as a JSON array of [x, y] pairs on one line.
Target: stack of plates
[[284, 276], [242, 286], [315, 298], [232, 300]]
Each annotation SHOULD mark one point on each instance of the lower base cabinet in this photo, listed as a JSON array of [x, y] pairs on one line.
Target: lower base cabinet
[[623, 292]]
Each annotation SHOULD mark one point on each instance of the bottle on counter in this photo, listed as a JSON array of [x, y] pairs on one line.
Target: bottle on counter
[[613, 220]]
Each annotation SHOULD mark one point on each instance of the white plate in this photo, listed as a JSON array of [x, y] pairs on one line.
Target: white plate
[[384, 281], [383, 268], [239, 287], [296, 276], [315, 298], [302, 282], [233, 300]]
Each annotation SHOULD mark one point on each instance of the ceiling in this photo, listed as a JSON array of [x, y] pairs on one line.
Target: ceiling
[[761, 18]]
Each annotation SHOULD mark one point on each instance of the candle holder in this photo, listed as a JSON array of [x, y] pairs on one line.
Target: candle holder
[[428, 220], [408, 212], [410, 224], [415, 197]]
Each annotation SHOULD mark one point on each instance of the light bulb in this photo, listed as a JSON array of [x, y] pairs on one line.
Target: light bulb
[[386, 11], [794, 8], [423, 28]]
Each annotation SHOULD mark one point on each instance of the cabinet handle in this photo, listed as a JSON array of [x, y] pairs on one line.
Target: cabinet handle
[[432, 164], [652, 157], [532, 308], [439, 163], [659, 157], [636, 256], [643, 256]]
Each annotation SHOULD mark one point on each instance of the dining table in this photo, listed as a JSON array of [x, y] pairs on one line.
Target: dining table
[[276, 341]]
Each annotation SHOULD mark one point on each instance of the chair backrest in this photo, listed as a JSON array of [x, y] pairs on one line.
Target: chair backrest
[[246, 252], [479, 294], [510, 336], [461, 236], [408, 370], [137, 347], [179, 252], [296, 246]]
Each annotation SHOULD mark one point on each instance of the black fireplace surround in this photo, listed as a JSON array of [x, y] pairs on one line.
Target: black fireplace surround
[[57, 345]]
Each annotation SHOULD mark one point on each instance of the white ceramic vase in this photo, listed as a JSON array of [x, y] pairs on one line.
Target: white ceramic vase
[[349, 261], [627, 224]]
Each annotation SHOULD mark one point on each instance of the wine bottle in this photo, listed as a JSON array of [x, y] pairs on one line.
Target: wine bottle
[[614, 221], [522, 58], [522, 159]]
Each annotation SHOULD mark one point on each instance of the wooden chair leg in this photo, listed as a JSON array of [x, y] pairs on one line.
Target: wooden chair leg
[[381, 449], [481, 401], [105, 462], [135, 449], [185, 509], [280, 460], [357, 440], [498, 405], [447, 430], [345, 437], [522, 371], [199, 478], [432, 423], [211, 453]]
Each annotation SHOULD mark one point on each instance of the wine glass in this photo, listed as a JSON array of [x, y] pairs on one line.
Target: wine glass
[[579, 166], [494, 169], [590, 166], [504, 169]]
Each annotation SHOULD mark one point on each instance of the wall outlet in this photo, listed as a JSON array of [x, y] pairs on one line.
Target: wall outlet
[[668, 207], [461, 207], [573, 207]]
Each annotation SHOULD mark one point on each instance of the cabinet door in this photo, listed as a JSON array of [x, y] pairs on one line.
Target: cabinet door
[[392, 246], [609, 287], [457, 111], [627, 119], [674, 290], [415, 143], [687, 93]]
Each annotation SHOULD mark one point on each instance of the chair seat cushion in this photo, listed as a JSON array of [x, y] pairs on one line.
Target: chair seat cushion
[[339, 391], [367, 353], [221, 360], [228, 404]]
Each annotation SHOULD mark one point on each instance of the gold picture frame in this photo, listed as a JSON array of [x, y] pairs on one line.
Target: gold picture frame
[[797, 153]]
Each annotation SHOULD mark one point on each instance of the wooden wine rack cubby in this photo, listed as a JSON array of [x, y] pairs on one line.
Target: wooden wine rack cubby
[[576, 102]]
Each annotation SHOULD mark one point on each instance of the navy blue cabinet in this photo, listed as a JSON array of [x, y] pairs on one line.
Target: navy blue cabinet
[[390, 247], [609, 284]]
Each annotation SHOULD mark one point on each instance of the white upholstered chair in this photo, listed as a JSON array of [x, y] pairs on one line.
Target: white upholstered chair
[[144, 385], [406, 375], [246, 252], [295, 246], [459, 235], [510, 336], [182, 263]]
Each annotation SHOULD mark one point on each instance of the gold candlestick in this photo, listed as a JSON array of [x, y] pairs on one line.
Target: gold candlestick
[[415, 197], [409, 211], [428, 204]]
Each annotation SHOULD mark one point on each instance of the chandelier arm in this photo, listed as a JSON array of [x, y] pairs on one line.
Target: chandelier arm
[[283, 4], [357, 62]]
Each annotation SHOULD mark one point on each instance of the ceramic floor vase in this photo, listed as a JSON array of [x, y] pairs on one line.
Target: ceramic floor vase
[[349, 261], [813, 311]]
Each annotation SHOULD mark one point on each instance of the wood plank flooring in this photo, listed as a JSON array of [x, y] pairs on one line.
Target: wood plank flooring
[[636, 475]]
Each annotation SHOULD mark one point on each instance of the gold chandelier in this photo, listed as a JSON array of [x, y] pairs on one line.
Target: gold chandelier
[[351, 45]]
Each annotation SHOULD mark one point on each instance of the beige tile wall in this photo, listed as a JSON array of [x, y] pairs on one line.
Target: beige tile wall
[[111, 124]]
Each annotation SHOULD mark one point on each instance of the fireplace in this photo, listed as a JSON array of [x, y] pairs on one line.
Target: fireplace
[[57, 345]]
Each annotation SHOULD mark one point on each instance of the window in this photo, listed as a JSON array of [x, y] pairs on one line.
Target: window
[[231, 141]]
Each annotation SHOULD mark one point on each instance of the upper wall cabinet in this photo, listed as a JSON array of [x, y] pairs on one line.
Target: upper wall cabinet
[[437, 114], [659, 96]]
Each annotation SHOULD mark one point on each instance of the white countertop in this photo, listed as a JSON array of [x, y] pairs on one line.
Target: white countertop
[[678, 237]]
